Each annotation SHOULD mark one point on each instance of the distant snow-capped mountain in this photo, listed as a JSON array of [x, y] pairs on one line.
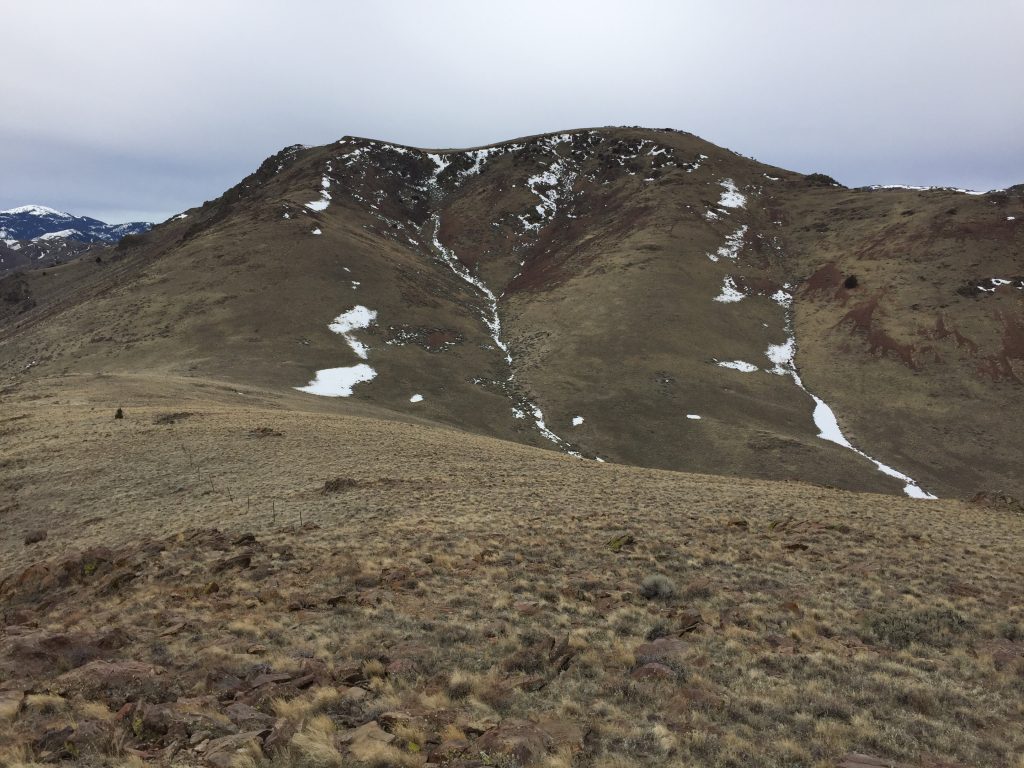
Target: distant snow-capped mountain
[[32, 223], [34, 235]]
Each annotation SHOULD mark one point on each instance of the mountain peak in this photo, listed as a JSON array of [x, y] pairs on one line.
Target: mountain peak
[[37, 210]]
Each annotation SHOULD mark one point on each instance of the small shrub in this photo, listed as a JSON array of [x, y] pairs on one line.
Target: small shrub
[[821, 180], [34, 537], [937, 627], [661, 629], [339, 484], [460, 685], [657, 587]]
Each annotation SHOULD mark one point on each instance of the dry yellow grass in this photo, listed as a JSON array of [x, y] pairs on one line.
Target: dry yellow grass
[[461, 585]]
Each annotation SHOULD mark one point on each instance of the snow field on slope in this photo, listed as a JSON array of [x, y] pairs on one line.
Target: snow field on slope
[[338, 382]]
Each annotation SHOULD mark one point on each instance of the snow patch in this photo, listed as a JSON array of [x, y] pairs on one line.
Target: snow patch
[[357, 318], [783, 358], [317, 231], [64, 233], [737, 365], [416, 399], [325, 195], [550, 186], [731, 197], [930, 189], [693, 416], [492, 320], [577, 420], [38, 210], [733, 245], [338, 382], [730, 293]]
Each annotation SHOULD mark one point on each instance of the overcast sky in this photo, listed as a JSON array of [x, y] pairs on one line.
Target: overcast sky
[[131, 109]]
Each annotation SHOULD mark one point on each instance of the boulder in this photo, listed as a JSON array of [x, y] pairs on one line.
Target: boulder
[[43, 653], [280, 735], [364, 742], [116, 682], [653, 671], [447, 750], [223, 751], [248, 718], [663, 650], [521, 740], [857, 760]]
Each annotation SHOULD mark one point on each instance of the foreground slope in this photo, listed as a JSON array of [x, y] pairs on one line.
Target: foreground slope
[[638, 296], [249, 577]]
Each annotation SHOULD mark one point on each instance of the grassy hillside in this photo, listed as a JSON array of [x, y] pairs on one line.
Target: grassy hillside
[[229, 578], [625, 266]]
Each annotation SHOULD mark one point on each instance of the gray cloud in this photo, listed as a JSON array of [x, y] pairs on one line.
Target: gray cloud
[[131, 109]]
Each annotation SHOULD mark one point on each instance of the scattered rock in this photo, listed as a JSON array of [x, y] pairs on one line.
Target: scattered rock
[[390, 720], [661, 650], [354, 693], [689, 621], [998, 500], [402, 668], [270, 678], [174, 629], [521, 740], [653, 670], [248, 717], [528, 682], [55, 745], [172, 418], [364, 741], [280, 734], [38, 653], [793, 608], [223, 751], [119, 414], [447, 750], [857, 760], [116, 682], [241, 561]]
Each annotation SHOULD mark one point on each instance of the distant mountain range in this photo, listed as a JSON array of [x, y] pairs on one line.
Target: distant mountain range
[[35, 234]]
